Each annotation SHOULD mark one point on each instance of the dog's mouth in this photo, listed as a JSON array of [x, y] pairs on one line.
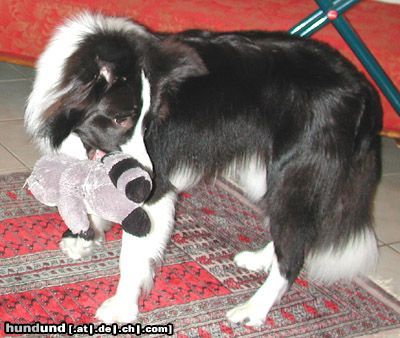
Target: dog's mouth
[[95, 154]]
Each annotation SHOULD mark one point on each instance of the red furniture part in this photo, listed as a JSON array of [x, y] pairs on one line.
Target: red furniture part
[[26, 25]]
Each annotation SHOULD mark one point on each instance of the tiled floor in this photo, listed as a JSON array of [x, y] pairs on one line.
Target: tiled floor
[[17, 154]]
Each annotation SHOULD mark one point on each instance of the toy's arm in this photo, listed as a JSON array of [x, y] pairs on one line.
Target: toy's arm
[[137, 223], [74, 215]]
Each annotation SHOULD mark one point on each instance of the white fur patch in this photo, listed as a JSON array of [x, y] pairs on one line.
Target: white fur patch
[[358, 256], [99, 225], [250, 173], [135, 146], [184, 177], [73, 146], [117, 310], [260, 260], [136, 259], [51, 64]]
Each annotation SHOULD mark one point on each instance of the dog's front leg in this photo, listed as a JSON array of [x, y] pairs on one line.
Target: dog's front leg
[[136, 262]]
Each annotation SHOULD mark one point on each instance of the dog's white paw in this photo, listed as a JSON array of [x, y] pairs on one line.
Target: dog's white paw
[[246, 313], [76, 247], [250, 260], [117, 310]]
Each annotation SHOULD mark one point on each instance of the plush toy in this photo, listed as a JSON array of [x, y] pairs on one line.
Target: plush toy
[[113, 188]]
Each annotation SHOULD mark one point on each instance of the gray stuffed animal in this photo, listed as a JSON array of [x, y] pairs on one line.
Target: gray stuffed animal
[[113, 188]]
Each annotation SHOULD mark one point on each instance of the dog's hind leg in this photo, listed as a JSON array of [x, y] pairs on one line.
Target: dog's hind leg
[[289, 222], [286, 259], [254, 311]]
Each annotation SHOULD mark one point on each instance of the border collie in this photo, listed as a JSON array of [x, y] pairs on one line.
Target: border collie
[[289, 119]]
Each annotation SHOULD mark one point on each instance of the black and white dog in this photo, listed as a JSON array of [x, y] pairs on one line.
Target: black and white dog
[[291, 120]]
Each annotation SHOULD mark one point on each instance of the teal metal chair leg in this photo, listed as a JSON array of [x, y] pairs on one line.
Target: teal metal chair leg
[[319, 18], [330, 11]]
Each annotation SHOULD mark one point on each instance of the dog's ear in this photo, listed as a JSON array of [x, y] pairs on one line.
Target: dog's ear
[[80, 79], [106, 70], [181, 62], [60, 122], [171, 64]]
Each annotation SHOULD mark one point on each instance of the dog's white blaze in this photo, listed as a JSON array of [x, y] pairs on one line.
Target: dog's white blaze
[[51, 64], [135, 146], [136, 259], [250, 173], [358, 256], [254, 311], [73, 146]]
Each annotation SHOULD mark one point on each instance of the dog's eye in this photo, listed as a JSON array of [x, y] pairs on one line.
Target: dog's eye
[[121, 120], [124, 121]]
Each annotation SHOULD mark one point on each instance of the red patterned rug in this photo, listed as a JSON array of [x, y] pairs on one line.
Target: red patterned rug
[[196, 285]]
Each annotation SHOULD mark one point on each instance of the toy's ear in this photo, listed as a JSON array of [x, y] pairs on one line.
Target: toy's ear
[[137, 223], [128, 175]]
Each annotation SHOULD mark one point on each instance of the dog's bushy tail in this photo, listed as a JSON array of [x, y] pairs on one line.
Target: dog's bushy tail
[[347, 245], [357, 256]]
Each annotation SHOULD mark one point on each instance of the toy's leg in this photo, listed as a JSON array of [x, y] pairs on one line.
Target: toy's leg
[[78, 240], [76, 247], [136, 262], [72, 245]]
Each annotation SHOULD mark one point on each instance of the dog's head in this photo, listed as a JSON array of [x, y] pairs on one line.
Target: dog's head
[[96, 90], [99, 95]]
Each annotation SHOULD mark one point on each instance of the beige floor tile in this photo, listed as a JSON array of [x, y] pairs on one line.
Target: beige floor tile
[[14, 170], [387, 209], [13, 96], [14, 138], [388, 272], [390, 157], [26, 72], [396, 246], [8, 163], [8, 72]]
